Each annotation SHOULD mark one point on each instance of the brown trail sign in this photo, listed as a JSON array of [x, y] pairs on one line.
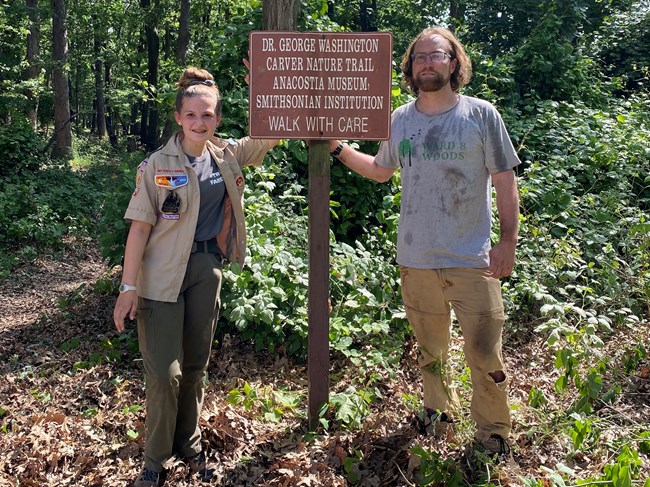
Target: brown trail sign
[[319, 86]]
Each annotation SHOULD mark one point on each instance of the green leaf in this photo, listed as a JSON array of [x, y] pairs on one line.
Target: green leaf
[[234, 397]]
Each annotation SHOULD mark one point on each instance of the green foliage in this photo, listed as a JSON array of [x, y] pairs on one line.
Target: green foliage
[[350, 407], [580, 265], [583, 433], [21, 148], [69, 345], [351, 466], [266, 301], [624, 470], [536, 398], [360, 206], [113, 229], [555, 73], [624, 46], [43, 203], [493, 80], [437, 471], [559, 49], [271, 405], [257, 299], [403, 18], [632, 358]]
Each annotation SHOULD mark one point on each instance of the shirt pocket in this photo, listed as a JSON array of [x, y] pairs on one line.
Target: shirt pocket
[[173, 203]]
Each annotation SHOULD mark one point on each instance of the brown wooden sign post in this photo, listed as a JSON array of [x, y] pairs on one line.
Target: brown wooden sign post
[[319, 86], [318, 358]]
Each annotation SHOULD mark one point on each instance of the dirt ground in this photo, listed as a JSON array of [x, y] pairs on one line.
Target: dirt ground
[[71, 403]]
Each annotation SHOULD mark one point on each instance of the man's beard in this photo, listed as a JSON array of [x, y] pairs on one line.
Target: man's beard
[[434, 83]]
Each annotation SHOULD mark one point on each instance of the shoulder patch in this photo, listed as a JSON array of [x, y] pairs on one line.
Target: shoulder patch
[[143, 165]]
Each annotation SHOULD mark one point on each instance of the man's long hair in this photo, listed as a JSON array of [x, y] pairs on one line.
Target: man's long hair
[[461, 75]]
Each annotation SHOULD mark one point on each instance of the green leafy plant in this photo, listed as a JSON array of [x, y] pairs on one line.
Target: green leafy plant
[[351, 465], [624, 470], [70, 345], [435, 470], [351, 406], [21, 147], [271, 405], [583, 432]]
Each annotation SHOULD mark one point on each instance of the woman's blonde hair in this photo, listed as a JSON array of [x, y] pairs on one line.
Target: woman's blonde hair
[[193, 82]]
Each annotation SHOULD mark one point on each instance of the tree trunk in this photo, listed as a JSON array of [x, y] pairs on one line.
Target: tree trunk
[[456, 13], [153, 53], [183, 32], [63, 144], [111, 118], [33, 60], [150, 109], [368, 16], [99, 81], [280, 14]]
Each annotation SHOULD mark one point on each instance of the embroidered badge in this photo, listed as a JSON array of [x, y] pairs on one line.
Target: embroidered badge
[[138, 176], [171, 181], [171, 204], [240, 182]]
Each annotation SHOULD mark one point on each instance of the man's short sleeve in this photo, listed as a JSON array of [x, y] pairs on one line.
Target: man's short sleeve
[[500, 154]]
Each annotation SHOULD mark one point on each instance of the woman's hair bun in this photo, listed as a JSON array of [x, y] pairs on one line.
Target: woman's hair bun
[[196, 82], [193, 76]]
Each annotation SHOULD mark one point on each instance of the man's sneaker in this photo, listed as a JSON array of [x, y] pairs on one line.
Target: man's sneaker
[[198, 464], [148, 478], [498, 448], [435, 424]]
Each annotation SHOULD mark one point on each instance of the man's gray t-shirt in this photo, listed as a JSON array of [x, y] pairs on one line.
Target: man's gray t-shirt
[[446, 161]]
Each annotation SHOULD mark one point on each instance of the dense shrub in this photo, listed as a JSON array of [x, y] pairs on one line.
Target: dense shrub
[[20, 147], [42, 201]]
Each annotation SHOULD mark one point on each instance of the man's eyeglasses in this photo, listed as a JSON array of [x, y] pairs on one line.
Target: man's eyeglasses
[[434, 57]]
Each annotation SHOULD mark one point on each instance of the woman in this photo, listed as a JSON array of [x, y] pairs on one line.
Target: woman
[[186, 220]]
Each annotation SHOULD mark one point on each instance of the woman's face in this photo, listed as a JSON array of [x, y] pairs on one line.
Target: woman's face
[[198, 120]]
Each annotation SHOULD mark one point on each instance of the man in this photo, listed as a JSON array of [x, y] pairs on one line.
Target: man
[[451, 149]]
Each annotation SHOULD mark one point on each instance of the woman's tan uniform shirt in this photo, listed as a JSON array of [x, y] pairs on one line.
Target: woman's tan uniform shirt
[[170, 243]]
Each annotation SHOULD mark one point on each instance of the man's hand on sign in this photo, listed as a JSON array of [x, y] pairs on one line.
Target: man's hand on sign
[[333, 144]]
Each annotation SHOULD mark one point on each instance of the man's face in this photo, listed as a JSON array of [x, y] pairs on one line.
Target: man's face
[[429, 74]]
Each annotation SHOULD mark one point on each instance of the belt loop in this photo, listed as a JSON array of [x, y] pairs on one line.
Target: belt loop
[[205, 246]]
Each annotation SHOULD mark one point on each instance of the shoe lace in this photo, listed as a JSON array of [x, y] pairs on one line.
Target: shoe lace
[[431, 416], [198, 458], [149, 475], [504, 447]]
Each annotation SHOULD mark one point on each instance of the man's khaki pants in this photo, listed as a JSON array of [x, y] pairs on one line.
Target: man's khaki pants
[[475, 297], [175, 341]]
